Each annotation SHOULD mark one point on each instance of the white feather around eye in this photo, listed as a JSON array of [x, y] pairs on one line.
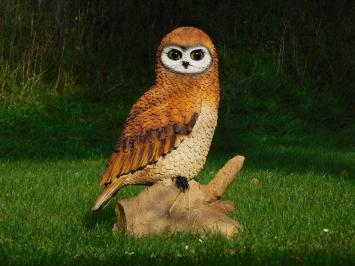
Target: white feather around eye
[[186, 64]]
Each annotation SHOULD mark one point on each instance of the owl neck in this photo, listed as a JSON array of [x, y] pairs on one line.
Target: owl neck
[[204, 86]]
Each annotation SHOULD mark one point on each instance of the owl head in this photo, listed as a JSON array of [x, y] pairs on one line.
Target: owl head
[[186, 51]]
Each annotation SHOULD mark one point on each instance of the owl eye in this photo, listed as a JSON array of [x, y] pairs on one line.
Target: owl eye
[[174, 54], [197, 55]]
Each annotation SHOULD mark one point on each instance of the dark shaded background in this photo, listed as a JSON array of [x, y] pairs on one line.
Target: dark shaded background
[[72, 69]]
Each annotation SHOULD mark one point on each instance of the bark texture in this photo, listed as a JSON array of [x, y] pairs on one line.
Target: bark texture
[[163, 208]]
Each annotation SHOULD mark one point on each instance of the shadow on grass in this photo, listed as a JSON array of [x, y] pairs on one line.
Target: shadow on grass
[[289, 154], [299, 161], [103, 217]]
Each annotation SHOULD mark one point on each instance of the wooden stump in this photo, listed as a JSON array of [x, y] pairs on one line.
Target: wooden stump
[[163, 208]]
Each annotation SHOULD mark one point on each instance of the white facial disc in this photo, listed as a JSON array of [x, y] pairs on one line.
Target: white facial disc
[[192, 60]]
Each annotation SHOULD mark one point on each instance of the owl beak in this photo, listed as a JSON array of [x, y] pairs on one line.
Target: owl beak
[[185, 64]]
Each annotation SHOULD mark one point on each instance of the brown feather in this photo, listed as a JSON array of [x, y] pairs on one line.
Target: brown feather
[[107, 174], [161, 147], [106, 195], [172, 142], [117, 165], [140, 157], [127, 162], [166, 147], [148, 136], [151, 152], [125, 145], [161, 134], [146, 155], [157, 150], [137, 159]]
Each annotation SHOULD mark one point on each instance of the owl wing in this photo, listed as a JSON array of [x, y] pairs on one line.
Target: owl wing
[[149, 135]]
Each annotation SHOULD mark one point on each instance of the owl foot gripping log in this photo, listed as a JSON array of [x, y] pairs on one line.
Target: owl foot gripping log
[[182, 183], [169, 130]]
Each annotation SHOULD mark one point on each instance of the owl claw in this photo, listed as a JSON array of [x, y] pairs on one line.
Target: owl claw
[[182, 183]]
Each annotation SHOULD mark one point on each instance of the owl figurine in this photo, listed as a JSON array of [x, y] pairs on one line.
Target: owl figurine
[[168, 131]]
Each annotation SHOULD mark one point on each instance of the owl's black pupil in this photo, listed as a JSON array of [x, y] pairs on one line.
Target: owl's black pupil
[[198, 55], [175, 54]]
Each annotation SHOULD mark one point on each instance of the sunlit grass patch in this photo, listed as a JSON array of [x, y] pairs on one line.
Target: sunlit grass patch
[[294, 209]]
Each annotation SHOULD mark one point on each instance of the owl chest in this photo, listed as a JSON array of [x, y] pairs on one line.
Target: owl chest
[[190, 156]]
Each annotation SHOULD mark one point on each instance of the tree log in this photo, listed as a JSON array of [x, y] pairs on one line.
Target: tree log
[[163, 208]]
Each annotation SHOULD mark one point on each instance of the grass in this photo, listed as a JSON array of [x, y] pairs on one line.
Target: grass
[[290, 189]]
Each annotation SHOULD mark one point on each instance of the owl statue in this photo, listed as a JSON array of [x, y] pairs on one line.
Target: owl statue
[[168, 131]]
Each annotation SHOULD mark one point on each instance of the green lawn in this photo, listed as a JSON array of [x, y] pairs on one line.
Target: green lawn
[[291, 190]]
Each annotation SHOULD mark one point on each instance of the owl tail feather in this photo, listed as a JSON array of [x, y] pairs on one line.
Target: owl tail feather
[[107, 194]]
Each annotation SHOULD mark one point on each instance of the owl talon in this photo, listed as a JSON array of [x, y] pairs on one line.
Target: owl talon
[[182, 183]]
